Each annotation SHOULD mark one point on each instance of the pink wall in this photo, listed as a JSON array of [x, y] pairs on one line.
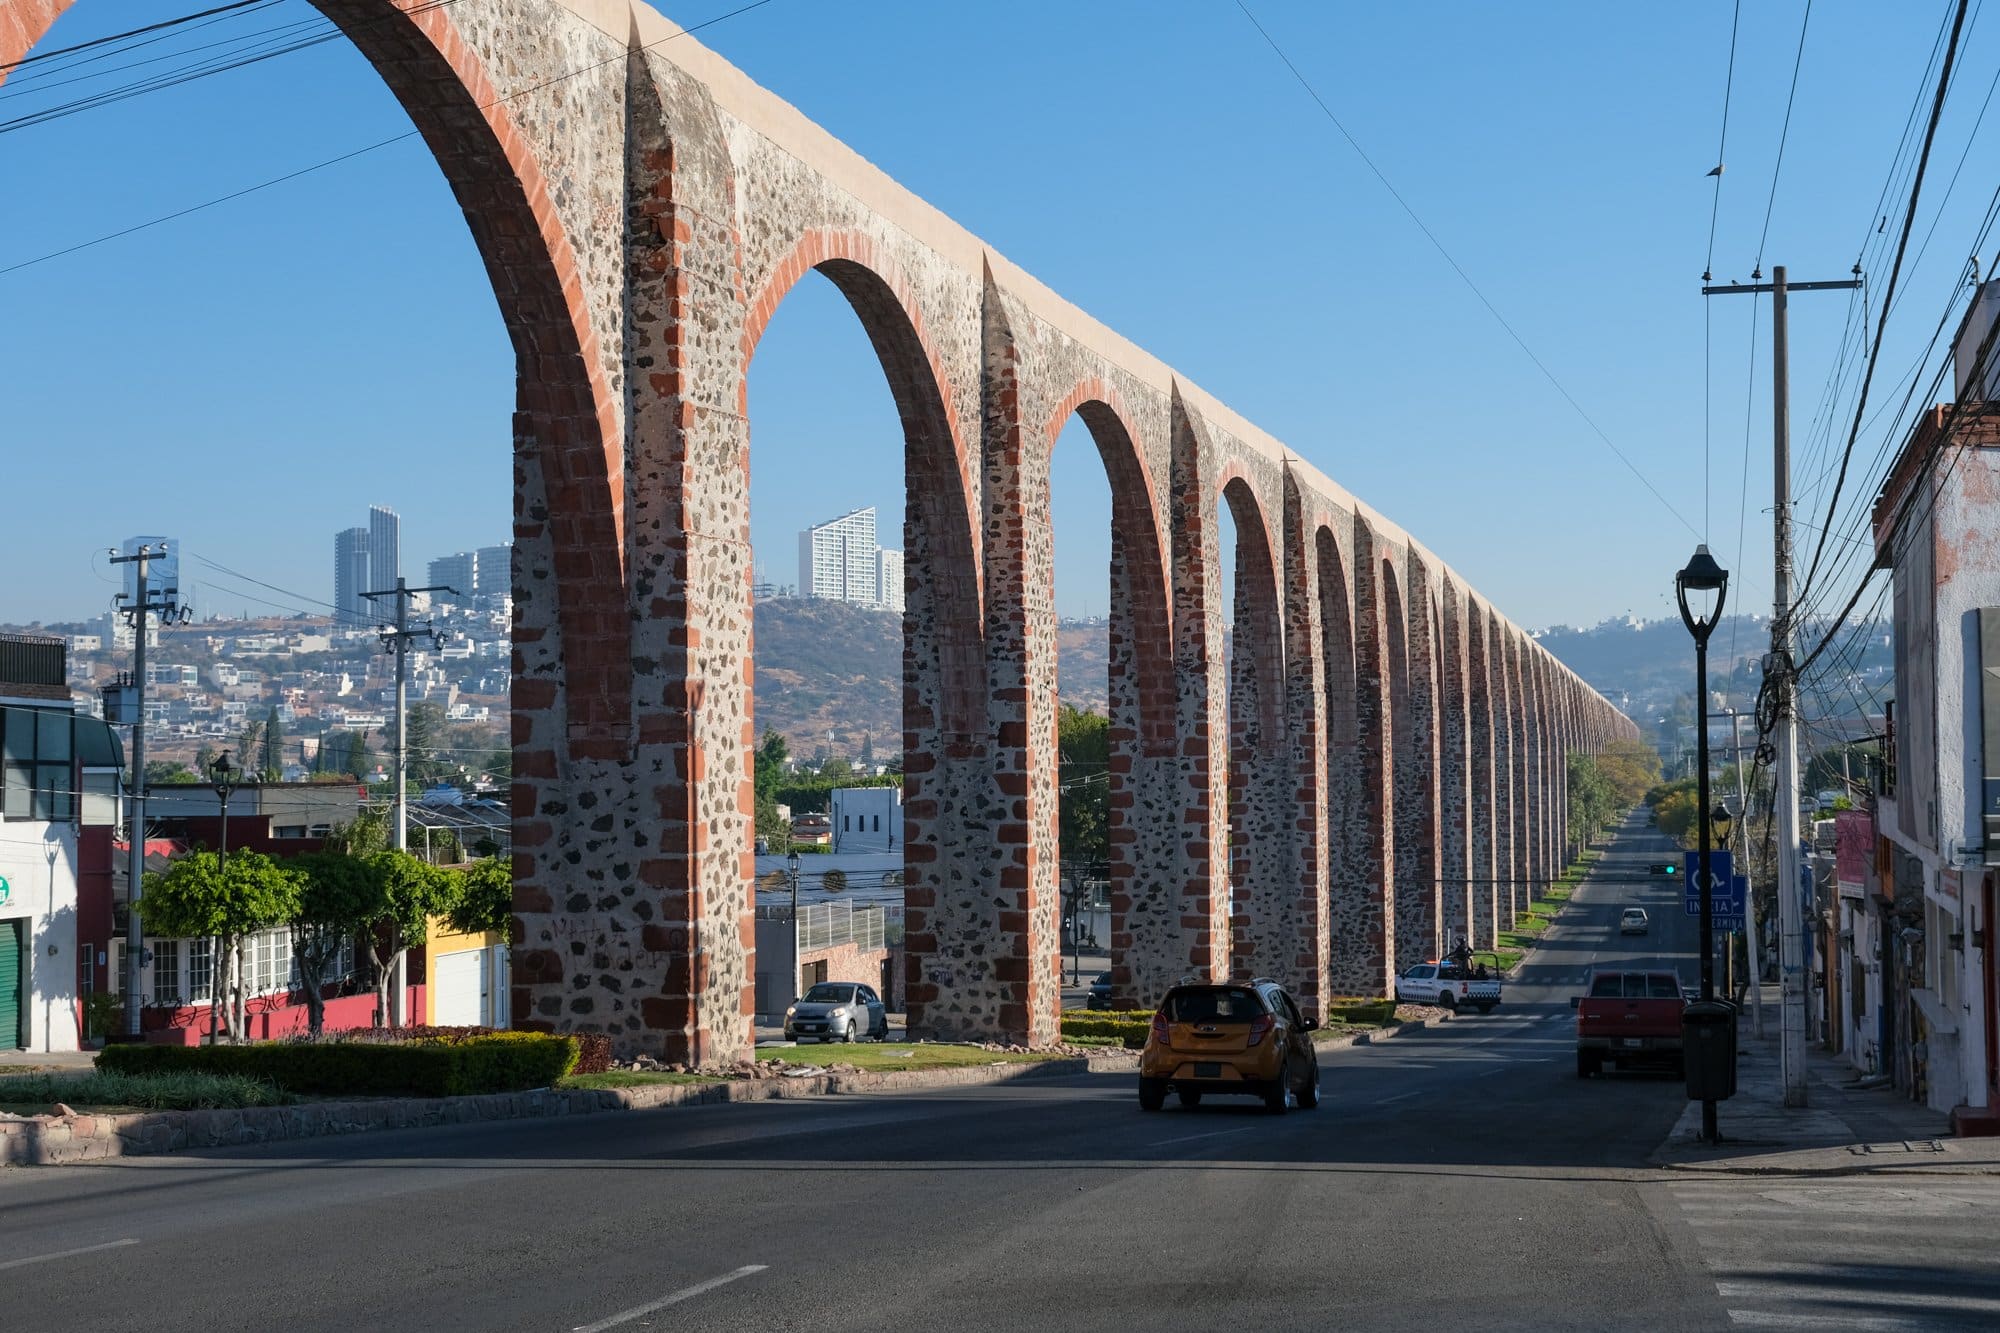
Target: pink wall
[[270, 1018]]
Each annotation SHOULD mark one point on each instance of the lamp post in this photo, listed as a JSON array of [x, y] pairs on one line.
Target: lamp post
[[792, 870], [1719, 822], [224, 777], [1701, 575]]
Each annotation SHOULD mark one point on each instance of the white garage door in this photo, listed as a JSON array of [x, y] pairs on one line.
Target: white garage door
[[460, 979]]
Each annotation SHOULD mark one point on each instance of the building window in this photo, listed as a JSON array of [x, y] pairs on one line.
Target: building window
[[288, 831], [878, 826], [166, 972], [200, 970], [37, 751]]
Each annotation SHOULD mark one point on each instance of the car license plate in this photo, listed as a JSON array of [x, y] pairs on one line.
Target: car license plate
[[1208, 1070], [1632, 1043]]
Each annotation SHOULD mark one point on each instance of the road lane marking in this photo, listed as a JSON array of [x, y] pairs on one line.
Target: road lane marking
[[672, 1298], [1189, 1138], [1399, 1097], [66, 1254]]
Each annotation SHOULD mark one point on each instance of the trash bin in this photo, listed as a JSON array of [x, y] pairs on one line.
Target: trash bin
[[1708, 1050]]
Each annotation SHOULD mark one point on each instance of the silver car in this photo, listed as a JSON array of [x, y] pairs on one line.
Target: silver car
[[837, 1011]]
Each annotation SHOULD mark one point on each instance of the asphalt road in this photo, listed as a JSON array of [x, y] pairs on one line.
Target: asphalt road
[[1463, 1177]]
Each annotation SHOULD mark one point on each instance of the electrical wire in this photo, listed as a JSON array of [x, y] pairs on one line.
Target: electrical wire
[[1784, 134], [1459, 269], [6, 65], [1708, 269], [358, 152], [1895, 271]]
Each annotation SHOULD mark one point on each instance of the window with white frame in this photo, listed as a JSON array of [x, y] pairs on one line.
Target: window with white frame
[[200, 970], [166, 972]]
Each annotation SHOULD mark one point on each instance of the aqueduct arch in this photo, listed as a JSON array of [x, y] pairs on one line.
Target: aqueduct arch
[[641, 207]]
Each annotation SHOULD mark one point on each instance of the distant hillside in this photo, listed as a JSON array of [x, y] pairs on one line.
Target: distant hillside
[[830, 666]]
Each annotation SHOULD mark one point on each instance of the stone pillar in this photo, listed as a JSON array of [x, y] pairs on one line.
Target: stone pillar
[[1264, 932], [1521, 783], [1454, 797], [1365, 957], [1417, 818], [1023, 934], [1354, 837], [1305, 708], [1204, 721], [1483, 804]]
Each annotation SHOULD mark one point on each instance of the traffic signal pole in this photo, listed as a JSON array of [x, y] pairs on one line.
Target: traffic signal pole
[[1779, 671]]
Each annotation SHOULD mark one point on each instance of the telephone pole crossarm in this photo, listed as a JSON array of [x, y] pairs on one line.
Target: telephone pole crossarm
[[1780, 679]]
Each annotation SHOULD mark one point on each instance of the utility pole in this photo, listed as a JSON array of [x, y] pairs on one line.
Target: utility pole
[[145, 604], [1754, 928], [1779, 679], [397, 640]]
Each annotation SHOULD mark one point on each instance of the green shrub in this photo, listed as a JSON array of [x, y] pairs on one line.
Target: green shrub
[[152, 1092], [1128, 1028], [433, 1064]]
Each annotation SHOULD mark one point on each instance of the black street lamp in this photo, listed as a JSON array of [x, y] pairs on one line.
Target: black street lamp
[[792, 868], [1701, 575], [225, 777]]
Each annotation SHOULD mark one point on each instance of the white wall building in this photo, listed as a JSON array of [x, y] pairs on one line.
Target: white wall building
[[837, 559], [867, 819], [889, 580]]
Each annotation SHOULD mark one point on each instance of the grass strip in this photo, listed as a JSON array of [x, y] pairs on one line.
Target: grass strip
[[37, 1094]]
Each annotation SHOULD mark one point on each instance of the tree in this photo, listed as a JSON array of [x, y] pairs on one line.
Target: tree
[[198, 897], [1083, 745], [339, 896], [365, 835], [424, 729], [246, 743], [168, 770], [1675, 814], [204, 758], [271, 754], [414, 891], [487, 901], [1592, 799]]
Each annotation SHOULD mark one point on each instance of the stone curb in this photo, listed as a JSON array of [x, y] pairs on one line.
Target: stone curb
[[1342, 1041], [52, 1140]]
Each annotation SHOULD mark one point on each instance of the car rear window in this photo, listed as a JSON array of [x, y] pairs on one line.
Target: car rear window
[[1214, 1004], [1662, 987], [1607, 985]]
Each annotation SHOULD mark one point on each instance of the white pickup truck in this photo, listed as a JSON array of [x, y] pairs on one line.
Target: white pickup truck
[[1448, 986]]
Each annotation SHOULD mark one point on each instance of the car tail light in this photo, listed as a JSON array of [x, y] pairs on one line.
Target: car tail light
[[1260, 1026], [1162, 1034]]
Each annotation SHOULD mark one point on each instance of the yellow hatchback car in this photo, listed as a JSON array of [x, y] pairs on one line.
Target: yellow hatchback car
[[1238, 1038]]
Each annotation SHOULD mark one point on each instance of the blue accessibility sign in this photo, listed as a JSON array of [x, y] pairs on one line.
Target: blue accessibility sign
[[1721, 878]]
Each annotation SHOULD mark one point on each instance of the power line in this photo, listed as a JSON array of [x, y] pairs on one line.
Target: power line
[[1895, 271], [1463, 276], [135, 32], [359, 152], [1707, 273], [1783, 134]]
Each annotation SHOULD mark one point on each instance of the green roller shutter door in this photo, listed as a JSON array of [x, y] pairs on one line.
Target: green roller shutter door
[[10, 984]]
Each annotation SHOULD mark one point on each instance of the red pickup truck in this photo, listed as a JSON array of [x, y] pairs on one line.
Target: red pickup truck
[[1629, 1017]]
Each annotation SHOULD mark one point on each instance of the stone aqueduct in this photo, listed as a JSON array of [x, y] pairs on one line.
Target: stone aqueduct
[[1376, 764]]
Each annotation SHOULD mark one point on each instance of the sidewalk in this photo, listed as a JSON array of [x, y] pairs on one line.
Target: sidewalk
[[1844, 1128]]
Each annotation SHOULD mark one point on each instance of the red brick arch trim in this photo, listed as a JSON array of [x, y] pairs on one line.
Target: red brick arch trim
[[936, 466], [563, 395], [1136, 527]]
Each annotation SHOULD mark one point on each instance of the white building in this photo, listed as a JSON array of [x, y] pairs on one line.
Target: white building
[[867, 819], [889, 580], [42, 741], [837, 559]]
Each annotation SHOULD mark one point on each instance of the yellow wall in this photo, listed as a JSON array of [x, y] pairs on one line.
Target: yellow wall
[[440, 938]]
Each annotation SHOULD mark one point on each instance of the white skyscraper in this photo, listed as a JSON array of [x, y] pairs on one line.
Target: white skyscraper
[[350, 576], [385, 560], [889, 580], [837, 559]]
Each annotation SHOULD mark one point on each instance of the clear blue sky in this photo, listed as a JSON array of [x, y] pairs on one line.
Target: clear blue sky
[[252, 377]]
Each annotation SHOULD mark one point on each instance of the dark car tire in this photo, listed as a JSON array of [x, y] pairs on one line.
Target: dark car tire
[[1309, 1094], [1278, 1094], [1152, 1093], [1189, 1097], [1589, 1064], [1447, 1002]]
